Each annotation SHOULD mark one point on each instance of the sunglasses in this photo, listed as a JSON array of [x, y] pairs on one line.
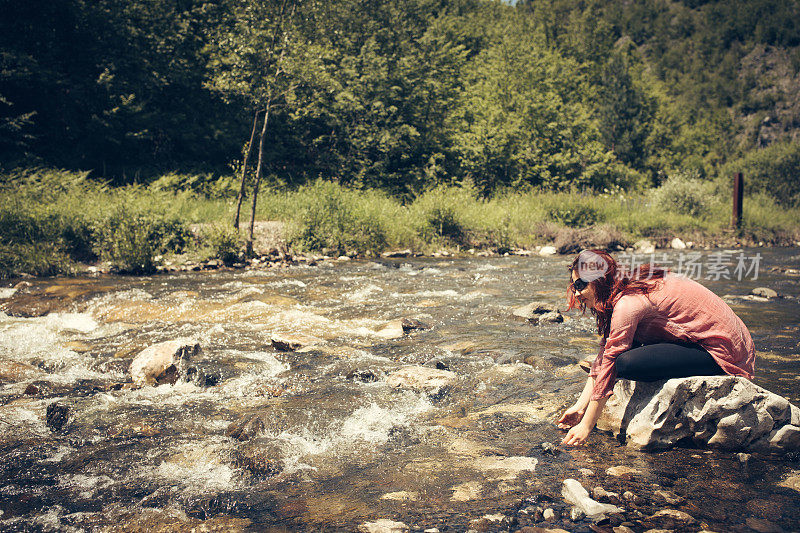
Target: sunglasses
[[579, 284]]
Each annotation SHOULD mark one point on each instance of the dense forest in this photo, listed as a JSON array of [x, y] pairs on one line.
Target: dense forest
[[407, 94]]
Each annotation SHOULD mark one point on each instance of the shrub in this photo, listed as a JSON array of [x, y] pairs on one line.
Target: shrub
[[685, 194], [333, 219], [574, 215], [440, 215], [131, 240], [223, 242], [774, 170]]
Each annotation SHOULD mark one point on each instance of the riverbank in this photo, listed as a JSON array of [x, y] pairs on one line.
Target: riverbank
[[56, 223]]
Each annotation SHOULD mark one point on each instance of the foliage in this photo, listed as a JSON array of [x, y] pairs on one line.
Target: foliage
[[336, 220], [132, 240], [222, 242], [774, 170], [685, 194], [401, 96]]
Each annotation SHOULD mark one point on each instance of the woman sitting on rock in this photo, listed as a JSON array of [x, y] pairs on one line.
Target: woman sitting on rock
[[654, 325]]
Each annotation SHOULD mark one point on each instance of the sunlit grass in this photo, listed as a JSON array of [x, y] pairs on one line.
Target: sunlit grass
[[51, 219]]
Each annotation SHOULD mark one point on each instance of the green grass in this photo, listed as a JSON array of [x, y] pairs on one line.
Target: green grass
[[50, 219]]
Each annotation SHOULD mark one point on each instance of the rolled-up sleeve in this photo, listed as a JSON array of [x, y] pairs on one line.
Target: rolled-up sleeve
[[628, 311]]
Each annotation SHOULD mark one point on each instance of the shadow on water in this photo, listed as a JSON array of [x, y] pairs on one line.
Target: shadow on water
[[318, 439]]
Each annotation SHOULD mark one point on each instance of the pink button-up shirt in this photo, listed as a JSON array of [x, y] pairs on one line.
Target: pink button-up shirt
[[678, 310]]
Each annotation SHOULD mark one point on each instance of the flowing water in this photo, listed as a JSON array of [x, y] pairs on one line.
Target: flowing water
[[330, 444]]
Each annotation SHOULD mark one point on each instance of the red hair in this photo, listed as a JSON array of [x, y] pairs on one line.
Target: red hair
[[615, 282]]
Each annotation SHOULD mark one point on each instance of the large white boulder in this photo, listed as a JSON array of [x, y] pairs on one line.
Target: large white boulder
[[164, 362], [724, 412]]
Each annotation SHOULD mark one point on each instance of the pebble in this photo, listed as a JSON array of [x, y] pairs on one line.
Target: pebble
[[670, 497], [678, 516], [576, 514], [622, 471], [763, 526], [549, 514], [629, 496], [602, 495], [586, 472], [622, 529], [743, 457]]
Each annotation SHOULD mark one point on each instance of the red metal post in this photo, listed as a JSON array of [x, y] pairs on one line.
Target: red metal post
[[738, 191]]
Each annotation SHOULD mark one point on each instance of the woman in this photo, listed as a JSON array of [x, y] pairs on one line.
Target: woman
[[654, 325]]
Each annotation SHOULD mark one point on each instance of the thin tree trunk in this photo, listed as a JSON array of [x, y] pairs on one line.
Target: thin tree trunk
[[240, 198], [258, 178]]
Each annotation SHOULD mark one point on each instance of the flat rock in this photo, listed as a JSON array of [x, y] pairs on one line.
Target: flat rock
[[763, 526], [547, 250], [399, 327], [725, 412], [622, 471], [382, 526], [764, 292], [421, 378], [164, 362], [291, 343], [531, 311], [13, 371], [673, 515]]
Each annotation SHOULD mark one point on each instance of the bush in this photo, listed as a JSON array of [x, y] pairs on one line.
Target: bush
[[223, 243], [336, 220], [574, 215], [774, 170], [440, 215], [41, 259], [131, 240], [685, 194]]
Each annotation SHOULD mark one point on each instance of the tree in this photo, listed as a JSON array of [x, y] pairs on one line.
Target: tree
[[261, 58]]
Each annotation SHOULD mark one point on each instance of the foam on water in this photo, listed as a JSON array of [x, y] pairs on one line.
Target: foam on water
[[369, 426], [362, 294], [287, 283], [197, 467], [7, 292], [86, 486]]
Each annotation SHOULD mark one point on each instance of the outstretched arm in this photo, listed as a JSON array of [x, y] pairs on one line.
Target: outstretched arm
[[577, 435], [574, 414]]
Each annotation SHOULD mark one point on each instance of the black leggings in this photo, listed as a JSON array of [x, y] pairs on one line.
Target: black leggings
[[666, 360]]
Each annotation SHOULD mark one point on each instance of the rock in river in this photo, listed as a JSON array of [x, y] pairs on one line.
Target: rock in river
[[578, 496], [164, 362], [724, 412], [421, 378]]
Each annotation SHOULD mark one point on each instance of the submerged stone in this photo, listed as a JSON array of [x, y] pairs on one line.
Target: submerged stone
[[724, 412], [382, 526], [421, 378]]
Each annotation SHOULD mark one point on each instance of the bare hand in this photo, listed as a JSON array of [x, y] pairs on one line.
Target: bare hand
[[571, 417], [577, 435]]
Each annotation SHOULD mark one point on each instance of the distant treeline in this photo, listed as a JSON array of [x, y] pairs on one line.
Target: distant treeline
[[404, 95]]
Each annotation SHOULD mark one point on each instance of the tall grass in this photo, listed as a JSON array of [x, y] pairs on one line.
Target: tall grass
[[49, 220]]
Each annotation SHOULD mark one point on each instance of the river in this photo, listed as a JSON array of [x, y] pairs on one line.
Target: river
[[331, 445]]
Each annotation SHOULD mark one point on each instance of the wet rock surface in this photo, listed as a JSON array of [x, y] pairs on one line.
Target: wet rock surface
[[165, 362], [724, 412]]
